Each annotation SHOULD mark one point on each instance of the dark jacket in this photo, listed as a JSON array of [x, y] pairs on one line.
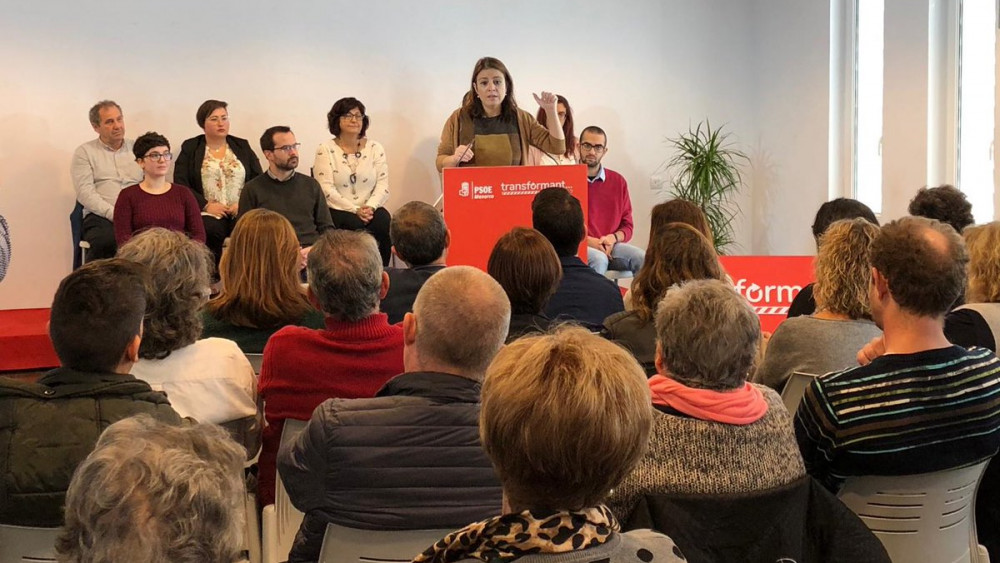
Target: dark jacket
[[404, 284], [636, 335], [409, 458], [187, 169], [47, 428], [800, 522], [583, 295], [523, 324]]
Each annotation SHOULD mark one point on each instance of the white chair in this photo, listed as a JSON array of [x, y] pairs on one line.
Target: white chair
[[350, 545], [251, 532], [926, 518], [795, 388], [281, 520], [20, 544], [616, 275]]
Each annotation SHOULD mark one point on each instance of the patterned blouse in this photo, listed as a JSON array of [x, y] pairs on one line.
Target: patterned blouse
[[222, 179]]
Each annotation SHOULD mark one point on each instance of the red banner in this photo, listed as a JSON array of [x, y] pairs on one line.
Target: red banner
[[769, 283], [483, 203]]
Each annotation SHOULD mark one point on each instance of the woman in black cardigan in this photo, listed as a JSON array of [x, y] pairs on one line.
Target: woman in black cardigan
[[215, 166]]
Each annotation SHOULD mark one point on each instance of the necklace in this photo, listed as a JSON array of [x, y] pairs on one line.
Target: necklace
[[216, 152], [352, 165]]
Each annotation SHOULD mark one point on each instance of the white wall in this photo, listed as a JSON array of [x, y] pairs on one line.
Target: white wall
[[642, 70]]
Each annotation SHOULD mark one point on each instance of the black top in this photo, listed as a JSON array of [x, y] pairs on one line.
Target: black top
[[584, 295], [967, 328], [187, 169], [523, 324], [804, 303], [404, 283]]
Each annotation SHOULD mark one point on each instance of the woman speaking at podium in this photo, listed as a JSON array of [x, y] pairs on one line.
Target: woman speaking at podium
[[490, 130]]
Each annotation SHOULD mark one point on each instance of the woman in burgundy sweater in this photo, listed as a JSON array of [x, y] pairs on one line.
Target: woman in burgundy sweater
[[154, 202]]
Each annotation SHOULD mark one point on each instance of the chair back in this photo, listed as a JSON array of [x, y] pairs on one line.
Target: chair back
[[76, 229], [256, 360], [281, 520], [19, 544], [794, 389], [925, 518], [350, 545]]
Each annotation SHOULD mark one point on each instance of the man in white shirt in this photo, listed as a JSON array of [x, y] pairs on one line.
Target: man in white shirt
[[101, 169]]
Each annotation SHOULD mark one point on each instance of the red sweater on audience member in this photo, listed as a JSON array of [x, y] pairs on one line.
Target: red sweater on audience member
[[303, 367], [175, 209], [609, 207]]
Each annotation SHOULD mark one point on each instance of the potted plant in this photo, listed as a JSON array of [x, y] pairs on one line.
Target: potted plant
[[705, 170]]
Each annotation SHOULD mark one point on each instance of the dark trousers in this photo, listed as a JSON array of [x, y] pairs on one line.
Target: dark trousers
[[100, 234], [216, 231], [378, 227]]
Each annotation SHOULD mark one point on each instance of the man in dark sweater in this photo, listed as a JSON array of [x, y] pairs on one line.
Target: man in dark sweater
[[583, 295], [922, 404], [280, 188], [410, 457], [420, 239], [47, 428]]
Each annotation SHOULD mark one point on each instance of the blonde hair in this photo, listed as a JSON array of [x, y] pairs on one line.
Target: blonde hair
[[983, 245], [677, 253], [260, 274], [565, 417], [179, 270], [843, 268]]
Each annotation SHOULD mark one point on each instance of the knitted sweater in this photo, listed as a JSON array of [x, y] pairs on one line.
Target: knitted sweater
[[691, 456], [460, 130], [304, 367], [299, 199], [609, 208], [175, 209]]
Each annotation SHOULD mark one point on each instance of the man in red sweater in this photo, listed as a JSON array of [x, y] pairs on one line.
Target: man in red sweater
[[351, 358], [609, 210]]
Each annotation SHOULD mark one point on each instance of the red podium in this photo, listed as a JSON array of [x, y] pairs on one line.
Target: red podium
[[483, 203]]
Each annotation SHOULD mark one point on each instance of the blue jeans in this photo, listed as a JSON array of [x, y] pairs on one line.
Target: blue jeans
[[623, 257]]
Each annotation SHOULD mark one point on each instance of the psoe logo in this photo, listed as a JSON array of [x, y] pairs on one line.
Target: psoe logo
[[463, 190], [482, 192]]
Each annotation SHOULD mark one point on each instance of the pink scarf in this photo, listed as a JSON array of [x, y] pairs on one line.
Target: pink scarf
[[739, 406]]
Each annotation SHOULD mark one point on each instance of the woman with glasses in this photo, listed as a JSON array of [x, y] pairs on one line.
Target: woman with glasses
[[354, 174], [154, 202], [215, 166], [490, 130]]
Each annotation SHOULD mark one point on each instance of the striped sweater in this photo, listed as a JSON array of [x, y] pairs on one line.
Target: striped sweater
[[902, 414]]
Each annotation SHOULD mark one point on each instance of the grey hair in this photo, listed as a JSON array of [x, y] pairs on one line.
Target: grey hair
[[463, 316], [95, 112], [156, 493], [707, 335], [345, 274]]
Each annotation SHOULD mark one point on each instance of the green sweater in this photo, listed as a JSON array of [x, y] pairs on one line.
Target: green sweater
[[252, 340]]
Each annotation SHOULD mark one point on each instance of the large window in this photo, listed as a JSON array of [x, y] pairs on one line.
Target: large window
[[977, 95], [868, 62]]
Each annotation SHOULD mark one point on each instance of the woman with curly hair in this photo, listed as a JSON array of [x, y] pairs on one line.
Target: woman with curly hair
[[677, 253], [209, 380], [260, 284], [829, 339]]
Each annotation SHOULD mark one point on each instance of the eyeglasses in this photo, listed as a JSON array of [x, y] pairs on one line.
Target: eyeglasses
[[288, 148], [589, 147], [216, 118], [353, 116], [159, 156]]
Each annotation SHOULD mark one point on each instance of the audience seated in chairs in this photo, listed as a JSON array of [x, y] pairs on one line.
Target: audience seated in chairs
[[583, 295], [353, 357], [48, 427], [421, 240], [677, 253], [564, 417], [209, 379], [920, 404], [410, 458], [827, 214], [829, 339], [260, 290], [527, 268], [713, 432], [153, 492]]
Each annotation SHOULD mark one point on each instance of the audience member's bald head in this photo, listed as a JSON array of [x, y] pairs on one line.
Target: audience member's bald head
[[462, 316], [418, 233], [924, 263]]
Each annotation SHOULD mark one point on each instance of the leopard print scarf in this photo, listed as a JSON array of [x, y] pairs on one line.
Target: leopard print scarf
[[508, 537]]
